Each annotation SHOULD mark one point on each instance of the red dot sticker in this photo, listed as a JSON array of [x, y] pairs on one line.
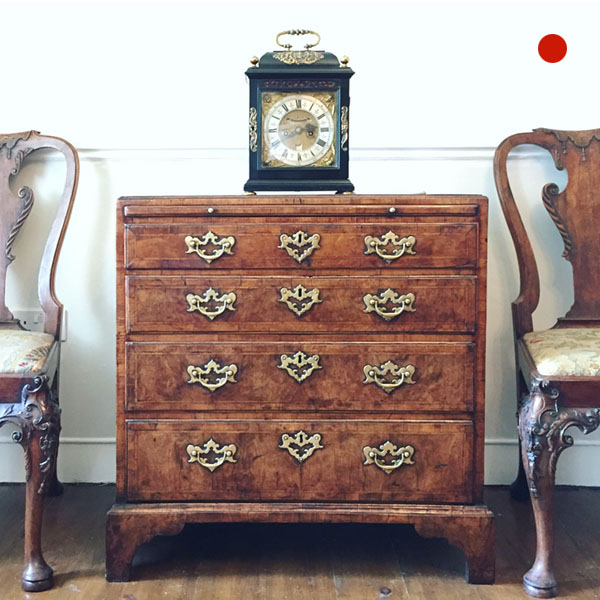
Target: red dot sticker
[[552, 48]]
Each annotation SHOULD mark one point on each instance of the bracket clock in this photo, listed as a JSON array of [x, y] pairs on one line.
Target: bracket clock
[[298, 124]]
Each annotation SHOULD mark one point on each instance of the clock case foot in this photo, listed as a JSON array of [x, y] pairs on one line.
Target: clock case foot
[[335, 185]]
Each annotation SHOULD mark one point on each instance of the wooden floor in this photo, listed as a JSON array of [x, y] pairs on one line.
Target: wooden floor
[[295, 562]]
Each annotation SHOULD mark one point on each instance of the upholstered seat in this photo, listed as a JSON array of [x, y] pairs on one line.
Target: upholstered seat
[[564, 352], [23, 351]]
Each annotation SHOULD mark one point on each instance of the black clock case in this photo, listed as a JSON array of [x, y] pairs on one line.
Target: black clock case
[[272, 75]]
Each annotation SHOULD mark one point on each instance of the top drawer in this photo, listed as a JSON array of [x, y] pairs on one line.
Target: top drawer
[[304, 245]]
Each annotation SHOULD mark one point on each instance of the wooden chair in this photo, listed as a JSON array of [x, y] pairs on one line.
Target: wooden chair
[[558, 369], [29, 361]]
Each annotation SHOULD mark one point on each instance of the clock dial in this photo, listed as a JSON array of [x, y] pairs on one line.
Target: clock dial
[[298, 130]]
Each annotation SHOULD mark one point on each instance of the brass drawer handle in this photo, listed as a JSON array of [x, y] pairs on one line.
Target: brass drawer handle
[[299, 366], [401, 246], [300, 445], [200, 375], [377, 304], [299, 300], [389, 376], [376, 456], [220, 246], [299, 245], [208, 298], [222, 454]]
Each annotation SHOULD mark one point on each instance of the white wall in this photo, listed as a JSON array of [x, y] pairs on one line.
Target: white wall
[[154, 97]]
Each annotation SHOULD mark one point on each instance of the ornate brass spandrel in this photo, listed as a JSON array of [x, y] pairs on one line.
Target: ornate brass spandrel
[[299, 366], [220, 246], [389, 376], [377, 303], [211, 303], [299, 245], [212, 375], [201, 454], [399, 456], [299, 299], [300, 445], [401, 246]]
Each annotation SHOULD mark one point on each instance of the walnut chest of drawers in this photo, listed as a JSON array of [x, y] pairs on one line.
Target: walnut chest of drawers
[[296, 359]]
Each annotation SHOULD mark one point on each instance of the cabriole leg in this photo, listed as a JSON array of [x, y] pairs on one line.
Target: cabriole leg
[[38, 418], [37, 575], [542, 430]]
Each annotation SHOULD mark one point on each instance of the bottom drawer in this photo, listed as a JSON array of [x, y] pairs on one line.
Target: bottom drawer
[[404, 461]]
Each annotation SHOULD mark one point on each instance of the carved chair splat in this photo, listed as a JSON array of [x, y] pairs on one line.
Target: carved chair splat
[[29, 361], [558, 377]]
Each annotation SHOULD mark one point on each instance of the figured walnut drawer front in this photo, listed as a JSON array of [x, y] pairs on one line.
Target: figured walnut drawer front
[[197, 304], [234, 245], [300, 376], [411, 461]]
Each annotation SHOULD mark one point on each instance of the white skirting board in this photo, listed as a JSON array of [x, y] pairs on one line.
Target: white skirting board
[[93, 460], [79, 460]]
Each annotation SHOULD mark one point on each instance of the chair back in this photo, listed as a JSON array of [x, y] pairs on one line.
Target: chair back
[[14, 210], [576, 213]]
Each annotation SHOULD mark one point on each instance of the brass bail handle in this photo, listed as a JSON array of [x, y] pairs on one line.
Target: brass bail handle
[[298, 32]]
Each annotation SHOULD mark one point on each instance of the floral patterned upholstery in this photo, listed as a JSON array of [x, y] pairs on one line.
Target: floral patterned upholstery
[[23, 351], [563, 352]]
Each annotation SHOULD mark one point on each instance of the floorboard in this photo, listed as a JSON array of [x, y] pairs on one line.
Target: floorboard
[[295, 562]]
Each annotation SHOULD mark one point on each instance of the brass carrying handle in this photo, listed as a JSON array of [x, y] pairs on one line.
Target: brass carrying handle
[[223, 454], [298, 32], [202, 303], [401, 246], [377, 303], [376, 456], [221, 246], [389, 376], [200, 375]]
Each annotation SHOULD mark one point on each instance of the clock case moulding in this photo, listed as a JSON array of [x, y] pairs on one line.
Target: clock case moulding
[[273, 75]]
